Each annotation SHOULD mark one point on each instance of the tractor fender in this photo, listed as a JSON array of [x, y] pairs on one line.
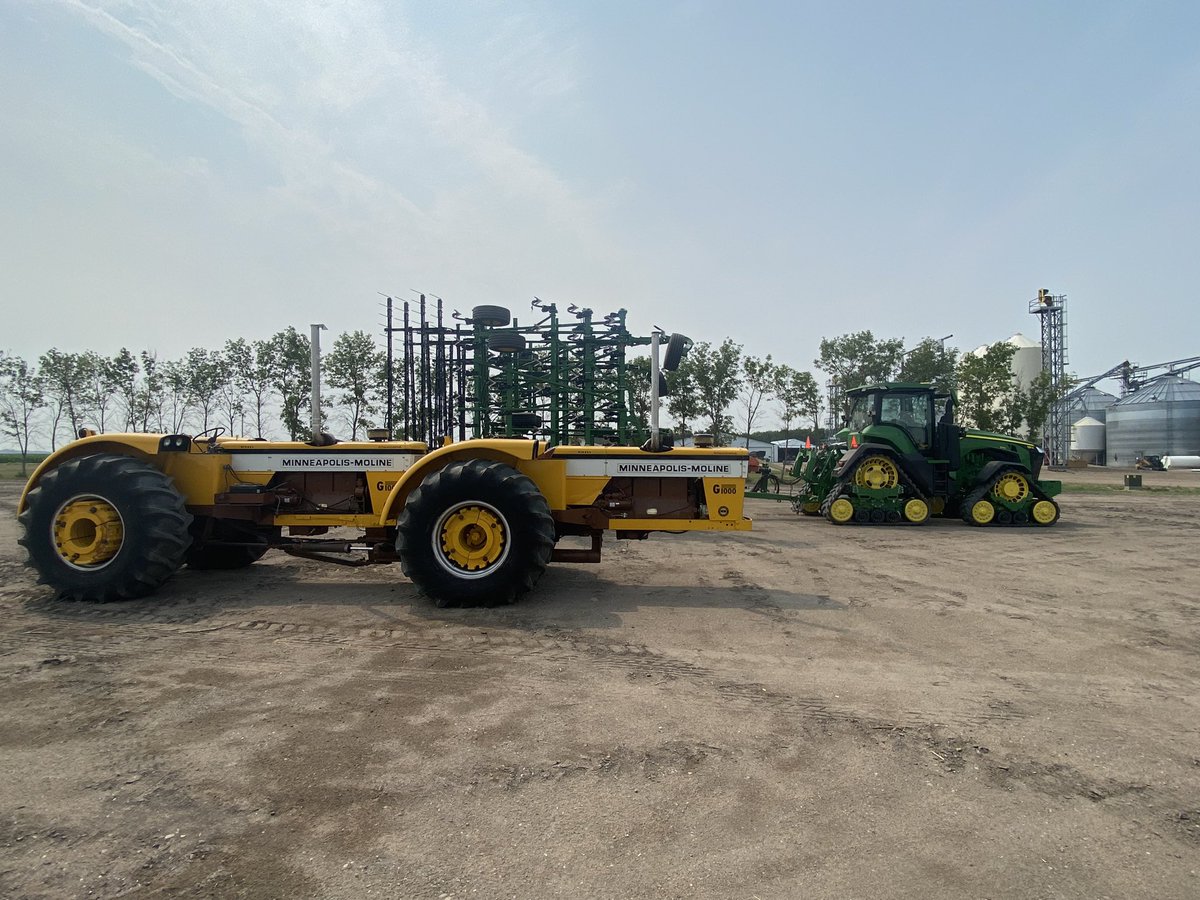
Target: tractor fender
[[139, 446], [921, 474], [505, 450]]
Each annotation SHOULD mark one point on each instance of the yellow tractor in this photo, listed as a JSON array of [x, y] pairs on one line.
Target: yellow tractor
[[113, 516]]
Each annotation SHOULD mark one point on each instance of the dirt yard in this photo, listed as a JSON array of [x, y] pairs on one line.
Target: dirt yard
[[801, 711]]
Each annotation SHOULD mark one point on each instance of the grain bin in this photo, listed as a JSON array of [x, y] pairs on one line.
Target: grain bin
[[1026, 361], [1160, 419], [1087, 436]]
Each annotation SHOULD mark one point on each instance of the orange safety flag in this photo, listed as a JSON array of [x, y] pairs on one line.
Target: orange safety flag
[[808, 442], [853, 441]]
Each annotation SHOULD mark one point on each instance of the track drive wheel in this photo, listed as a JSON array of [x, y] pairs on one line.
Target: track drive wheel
[[877, 472], [475, 533], [105, 527], [1044, 513], [1011, 487], [916, 511], [811, 508]]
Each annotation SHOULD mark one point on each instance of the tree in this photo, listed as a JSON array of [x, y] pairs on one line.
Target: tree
[[637, 380], [231, 401], [716, 376], [21, 397], [353, 368], [151, 397], [683, 401], [1039, 399], [63, 378], [758, 383], [123, 372], [988, 397], [251, 375], [177, 396], [98, 379], [207, 375], [929, 362], [288, 359], [798, 395], [856, 359]]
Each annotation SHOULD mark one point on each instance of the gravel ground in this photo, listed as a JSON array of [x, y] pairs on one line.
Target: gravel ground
[[803, 710]]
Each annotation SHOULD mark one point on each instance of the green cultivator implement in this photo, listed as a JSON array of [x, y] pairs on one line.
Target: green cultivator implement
[[814, 467], [568, 379], [906, 460]]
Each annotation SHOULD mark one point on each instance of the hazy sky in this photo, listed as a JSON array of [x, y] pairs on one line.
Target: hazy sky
[[174, 174]]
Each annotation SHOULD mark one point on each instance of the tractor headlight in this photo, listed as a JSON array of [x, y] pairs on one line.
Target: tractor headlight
[[174, 443]]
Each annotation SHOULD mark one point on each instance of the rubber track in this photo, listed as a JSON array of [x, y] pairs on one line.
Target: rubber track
[[843, 487], [981, 493]]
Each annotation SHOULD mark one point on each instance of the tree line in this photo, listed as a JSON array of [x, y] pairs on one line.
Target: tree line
[[715, 379], [259, 388], [252, 388]]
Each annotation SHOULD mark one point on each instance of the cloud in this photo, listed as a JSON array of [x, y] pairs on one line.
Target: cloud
[[332, 94]]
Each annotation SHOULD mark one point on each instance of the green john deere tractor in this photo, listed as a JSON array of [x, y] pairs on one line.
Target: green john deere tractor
[[905, 459]]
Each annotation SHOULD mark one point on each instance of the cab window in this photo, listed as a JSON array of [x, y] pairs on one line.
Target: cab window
[[861, 412], [912, 412]]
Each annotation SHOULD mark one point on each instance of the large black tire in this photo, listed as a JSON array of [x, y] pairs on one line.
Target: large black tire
[[491, 316], [664, 387], [207, 553], [676, 347], [105, 527], [526, 421], [475, 533], [506, 342]]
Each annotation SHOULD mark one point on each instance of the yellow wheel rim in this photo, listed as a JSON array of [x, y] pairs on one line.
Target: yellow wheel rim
[[877, 473], [811, 508], [916, 510], [939, 505], [982, 512], [1011, 487], [841, 510], [1044, 512], [472, 538], [88, 532]]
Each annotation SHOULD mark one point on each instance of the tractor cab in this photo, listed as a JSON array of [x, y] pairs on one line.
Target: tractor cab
[[908, 416], [912, 423]]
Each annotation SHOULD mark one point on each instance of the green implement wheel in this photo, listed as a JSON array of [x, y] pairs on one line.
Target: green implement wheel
[[105, 527]]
